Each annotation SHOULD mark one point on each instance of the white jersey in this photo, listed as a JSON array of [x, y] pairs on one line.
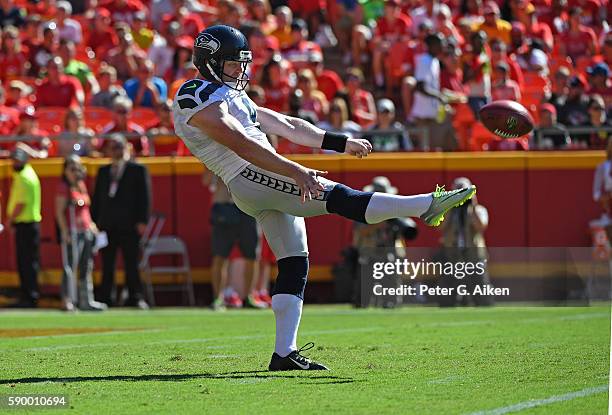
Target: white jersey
[[195, 95]]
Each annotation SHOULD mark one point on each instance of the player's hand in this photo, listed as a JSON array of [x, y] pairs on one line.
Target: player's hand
[[358, 147], [306, 180]]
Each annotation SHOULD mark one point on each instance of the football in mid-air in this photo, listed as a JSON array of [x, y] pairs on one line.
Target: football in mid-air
[[507, 119]]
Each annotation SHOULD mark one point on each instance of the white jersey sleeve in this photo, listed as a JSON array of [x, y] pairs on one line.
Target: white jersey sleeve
[[193, 96]]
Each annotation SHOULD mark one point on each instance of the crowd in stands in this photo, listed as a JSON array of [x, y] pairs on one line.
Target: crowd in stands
[[73, 71]]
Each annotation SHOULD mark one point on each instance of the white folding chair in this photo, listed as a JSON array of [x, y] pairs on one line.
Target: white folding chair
[[168, 246]]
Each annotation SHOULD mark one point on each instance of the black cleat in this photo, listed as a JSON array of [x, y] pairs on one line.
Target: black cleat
[[295, 361]]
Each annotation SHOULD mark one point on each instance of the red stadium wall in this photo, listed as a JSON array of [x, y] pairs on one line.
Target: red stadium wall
[[534, 199]]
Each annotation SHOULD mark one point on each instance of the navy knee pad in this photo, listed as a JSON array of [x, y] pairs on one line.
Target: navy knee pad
[[292, 274], [347, 202]]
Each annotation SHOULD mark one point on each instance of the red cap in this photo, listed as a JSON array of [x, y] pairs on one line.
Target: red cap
[[394, 3], [548, 107], [102, 12]]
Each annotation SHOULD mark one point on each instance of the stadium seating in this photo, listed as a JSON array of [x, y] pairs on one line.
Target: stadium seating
[[97, 118], [51, 119]]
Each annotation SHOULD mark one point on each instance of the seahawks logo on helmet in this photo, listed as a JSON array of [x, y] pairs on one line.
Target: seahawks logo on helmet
[[207, 41]]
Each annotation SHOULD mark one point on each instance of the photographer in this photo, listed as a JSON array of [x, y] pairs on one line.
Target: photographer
[[383, 241], [463, 241]]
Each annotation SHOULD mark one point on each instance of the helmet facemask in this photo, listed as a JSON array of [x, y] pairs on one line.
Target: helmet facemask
[[240, 82]]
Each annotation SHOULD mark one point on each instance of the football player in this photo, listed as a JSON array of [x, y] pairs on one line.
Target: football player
[[226, 130]]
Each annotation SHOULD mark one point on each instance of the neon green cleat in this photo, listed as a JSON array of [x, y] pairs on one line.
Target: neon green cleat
[[443, 201]]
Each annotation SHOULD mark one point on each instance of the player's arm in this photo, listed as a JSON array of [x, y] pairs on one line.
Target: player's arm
[[302, 132], [216, 122]]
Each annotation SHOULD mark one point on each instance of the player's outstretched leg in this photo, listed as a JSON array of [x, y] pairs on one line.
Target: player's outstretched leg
[[368, 207]]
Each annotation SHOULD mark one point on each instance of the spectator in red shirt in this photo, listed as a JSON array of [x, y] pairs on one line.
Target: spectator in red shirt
[[124, 57], [451, 75], [328, 81], [392, 27], [444, 23], [477, 71], [578, 40], [59, 90], [102, 37], [122, 109], [503, 86], [17, 95], [591, 15], [556, 18], [599, 82], [300, 48], [123, 10], [263, 47], [28, 126], [313, 100], [30, 34], [190, 23], [41, 54], [499, 54], [525, 14], [362, 105], [276, 86], [13, 59], [9, 117]]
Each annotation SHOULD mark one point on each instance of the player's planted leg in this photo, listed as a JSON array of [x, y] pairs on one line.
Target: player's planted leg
[[287, 303]]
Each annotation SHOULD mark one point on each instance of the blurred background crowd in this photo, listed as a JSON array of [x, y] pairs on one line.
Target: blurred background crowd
[[74, 71]]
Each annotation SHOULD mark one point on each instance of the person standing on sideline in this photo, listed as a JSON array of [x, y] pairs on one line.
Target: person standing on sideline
[[121, 207], [77, 234], [23, 214]]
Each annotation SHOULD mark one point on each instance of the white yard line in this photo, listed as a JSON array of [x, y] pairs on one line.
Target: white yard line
[[98, 333], [446, 380], [418, 325], [541, 402], [197, 340]]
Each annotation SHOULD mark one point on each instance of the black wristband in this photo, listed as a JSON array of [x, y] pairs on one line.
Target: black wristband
[[334, 141]]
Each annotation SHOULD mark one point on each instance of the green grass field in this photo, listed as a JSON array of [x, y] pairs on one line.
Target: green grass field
[[404, 361]]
